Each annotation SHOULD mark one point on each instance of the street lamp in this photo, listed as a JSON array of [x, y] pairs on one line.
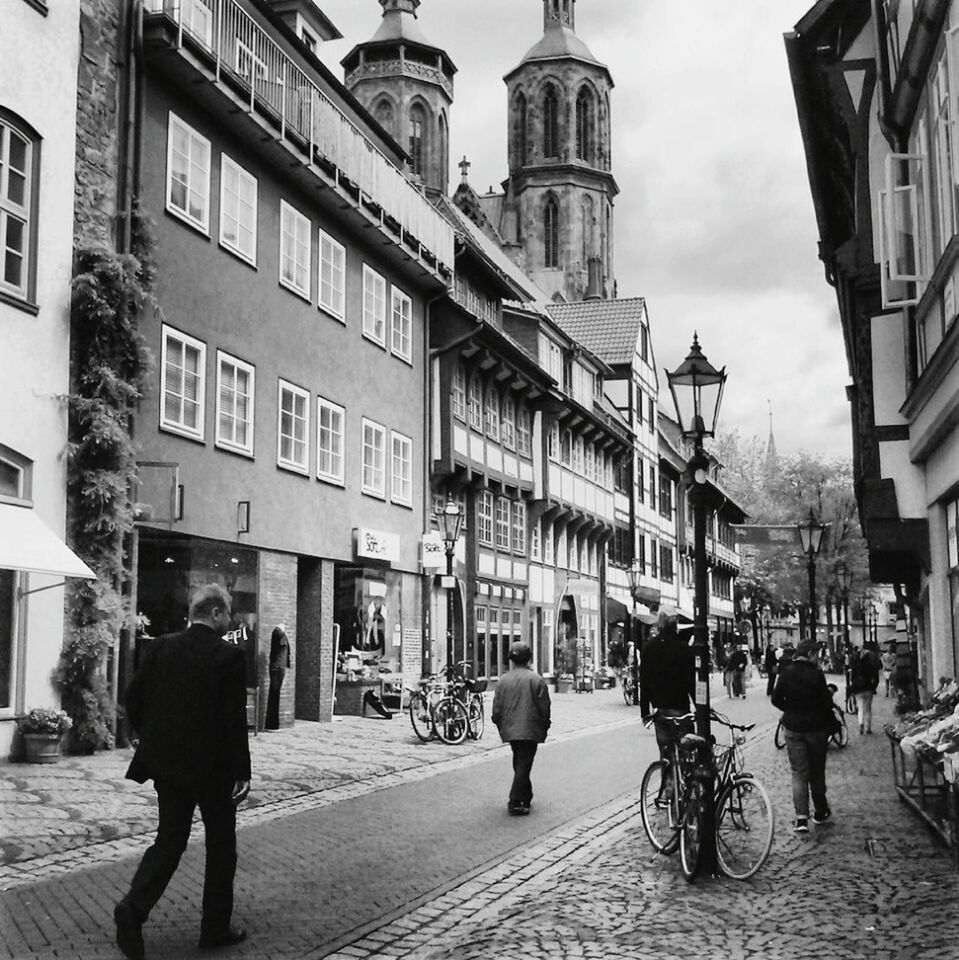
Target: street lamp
[[697, 389], [862, 613], [450, 521], [634, 573], [810, 536], [844, 581]]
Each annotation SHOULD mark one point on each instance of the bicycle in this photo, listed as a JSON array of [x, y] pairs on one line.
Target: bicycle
[[838, 738], [470, 694], [434, 712], [852, 704], [673, 791], [629, 687]]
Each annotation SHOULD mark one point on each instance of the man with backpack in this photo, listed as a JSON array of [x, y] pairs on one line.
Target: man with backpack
[[865, 682]]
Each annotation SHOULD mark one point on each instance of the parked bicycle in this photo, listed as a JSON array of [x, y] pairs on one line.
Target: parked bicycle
[[673, 811], [838, 738], [629, 688], [470, 692], [436, 712]]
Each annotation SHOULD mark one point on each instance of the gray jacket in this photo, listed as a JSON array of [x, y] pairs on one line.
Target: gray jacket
[[521, 705]]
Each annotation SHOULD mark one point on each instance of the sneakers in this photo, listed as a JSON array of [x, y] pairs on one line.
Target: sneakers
[[519, 810], [823, 816], [802, 825]]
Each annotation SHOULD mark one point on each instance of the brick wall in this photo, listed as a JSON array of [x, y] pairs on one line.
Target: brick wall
[[277, 602]]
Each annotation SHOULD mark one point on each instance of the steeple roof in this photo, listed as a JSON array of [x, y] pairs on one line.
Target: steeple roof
[[399, 23], [559, 41]]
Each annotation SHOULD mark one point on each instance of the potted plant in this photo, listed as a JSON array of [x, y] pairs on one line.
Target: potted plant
[[41, 729], [563, 676]]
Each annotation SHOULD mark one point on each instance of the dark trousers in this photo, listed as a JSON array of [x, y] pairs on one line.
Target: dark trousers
[[807, 761], [273, 699], [159, 863], [524, 752]]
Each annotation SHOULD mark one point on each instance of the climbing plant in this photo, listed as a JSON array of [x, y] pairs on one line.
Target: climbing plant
[[109, 361]]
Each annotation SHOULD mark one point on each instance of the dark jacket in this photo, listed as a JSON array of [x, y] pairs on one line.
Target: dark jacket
[[279, 650], [667, 676], [187, 702], [865, 673], [521, 707], [802, 695]]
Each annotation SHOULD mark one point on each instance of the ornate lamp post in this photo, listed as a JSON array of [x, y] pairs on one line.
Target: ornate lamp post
[[450, 521], [844, 582], [810, 536], [697, 389], [634, 573]]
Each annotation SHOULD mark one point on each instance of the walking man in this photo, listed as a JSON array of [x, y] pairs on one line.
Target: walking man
[[521, 712], [187, 702], [802, 695]]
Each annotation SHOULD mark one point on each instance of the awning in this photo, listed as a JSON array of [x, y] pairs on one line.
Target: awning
[[681, 615], [27, 543], [616, 612]]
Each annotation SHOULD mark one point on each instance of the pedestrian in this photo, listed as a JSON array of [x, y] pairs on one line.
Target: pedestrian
[[187, 703], [521, 712], [667, 685], [738, 661], [888, 665], [279, 664], [865, 683], [770, 662], [728, 668], [802, 695]]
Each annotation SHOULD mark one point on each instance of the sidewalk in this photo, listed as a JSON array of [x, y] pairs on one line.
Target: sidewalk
[[82, 810]]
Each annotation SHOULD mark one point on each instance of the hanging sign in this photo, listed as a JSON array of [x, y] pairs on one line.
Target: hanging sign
[[376, 545]]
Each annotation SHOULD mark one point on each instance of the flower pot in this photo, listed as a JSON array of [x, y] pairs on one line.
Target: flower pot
[[42, 747], [563, 686]]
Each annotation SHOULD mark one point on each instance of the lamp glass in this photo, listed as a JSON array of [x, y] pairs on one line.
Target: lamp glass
[[450, 521], [810, 534], [697, 389], [634, 573]]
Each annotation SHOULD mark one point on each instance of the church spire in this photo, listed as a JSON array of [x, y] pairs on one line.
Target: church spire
[[772, 458], [559, 13]]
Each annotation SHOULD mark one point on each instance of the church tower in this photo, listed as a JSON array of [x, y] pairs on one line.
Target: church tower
[[407, 85], [557, 215]]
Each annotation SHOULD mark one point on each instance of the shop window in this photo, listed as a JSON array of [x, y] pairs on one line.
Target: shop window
[[234, 404], [188, 174], [519, 528], [329, 441], [484, 518], [459, 392], [493, 640], [401, 339], [295, 241], [238, 190], [480, 619], [374, 306], [492, 412], [508, 422], [374, 459], [502, 523], [524, 432], [332, 280], [19, 196], [293, 428], [401, 487], [182, 383], [476, 403]]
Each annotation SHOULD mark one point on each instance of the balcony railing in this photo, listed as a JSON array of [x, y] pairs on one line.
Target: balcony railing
[[240, 50]]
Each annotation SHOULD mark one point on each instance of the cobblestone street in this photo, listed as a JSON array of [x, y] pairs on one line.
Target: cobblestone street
[[872, 884]]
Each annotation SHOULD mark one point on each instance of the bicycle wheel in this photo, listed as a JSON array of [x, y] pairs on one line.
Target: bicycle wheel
[[451, 720], [691, 834], [779, 738], [841, 737], [744, 827], [852, 704], [477, 717], [420, 717], [656, 801]]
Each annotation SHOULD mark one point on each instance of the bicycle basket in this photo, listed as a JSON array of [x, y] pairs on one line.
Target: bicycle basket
[[477, 686]]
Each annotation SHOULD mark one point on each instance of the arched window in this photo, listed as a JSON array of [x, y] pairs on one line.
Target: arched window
[[383, 114], [444, 154], [551, 232], [519, 132], [589, 246], [584, 125], [550, 122], [476, 403], [459, 392], [417, 149]]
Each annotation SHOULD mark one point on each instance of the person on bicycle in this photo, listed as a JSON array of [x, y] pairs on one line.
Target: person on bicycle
[[521, 712], [667, 684], [802, 695]]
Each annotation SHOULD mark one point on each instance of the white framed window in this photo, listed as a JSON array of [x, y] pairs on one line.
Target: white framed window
[[492, 412], [374, 459], [476, 403], [401, 469], [374, 306], [508, 422], [197, 19], [548, 555], [524, 431], [293, 428], [248, 65], [182, 383], [589, 461], [238, 190], [502, 523], [234, 403], [401, 331], [295, 250], [188, 174], [566, 448], [332, 276], [903, 230], [535, 543], [552, 441], [484, 518], [330, 433], [459, 392], [578, 456], [519, 527], [17, 206]]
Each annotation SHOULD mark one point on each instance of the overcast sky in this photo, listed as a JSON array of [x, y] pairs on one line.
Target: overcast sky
[[714, 222]]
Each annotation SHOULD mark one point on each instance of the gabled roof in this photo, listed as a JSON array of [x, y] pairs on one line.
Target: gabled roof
[[608, 328]]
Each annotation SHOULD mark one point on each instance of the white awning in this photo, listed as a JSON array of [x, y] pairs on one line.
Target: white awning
[[27, 543]]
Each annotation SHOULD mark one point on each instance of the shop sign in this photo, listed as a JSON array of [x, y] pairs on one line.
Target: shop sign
[[377, 545], [433, 551]]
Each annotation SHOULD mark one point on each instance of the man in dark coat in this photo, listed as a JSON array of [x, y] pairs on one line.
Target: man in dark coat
[[279, 664], [187, 702], [802, 695], [667, 684], [521, 712]]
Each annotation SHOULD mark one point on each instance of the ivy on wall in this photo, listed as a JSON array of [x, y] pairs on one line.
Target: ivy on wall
[[109, 363]]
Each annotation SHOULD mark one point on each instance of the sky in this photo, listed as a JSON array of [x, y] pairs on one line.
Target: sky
[[714, 222]]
